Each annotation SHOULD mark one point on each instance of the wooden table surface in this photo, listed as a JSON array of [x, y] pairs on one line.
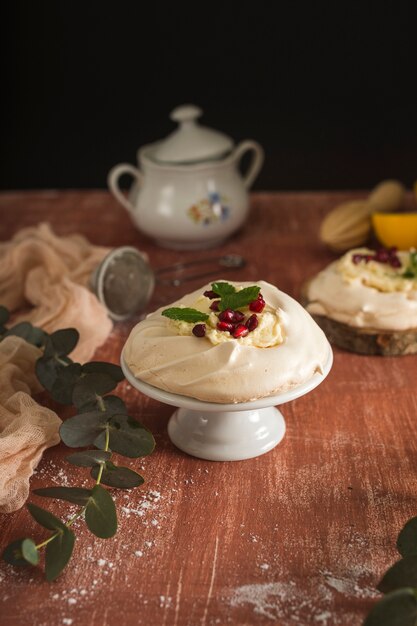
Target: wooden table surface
[[299, 536]]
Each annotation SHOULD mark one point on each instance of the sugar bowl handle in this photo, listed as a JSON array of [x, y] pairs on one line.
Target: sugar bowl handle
[[113, 183], [256, 161]]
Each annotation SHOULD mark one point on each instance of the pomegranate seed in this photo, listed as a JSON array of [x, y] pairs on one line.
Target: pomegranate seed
[[228, 315], [257, 305], [239, 316], [210, 294], [226, 326], [382, 255], [252, 322], [199, 330], [240, 331], [214, 306]]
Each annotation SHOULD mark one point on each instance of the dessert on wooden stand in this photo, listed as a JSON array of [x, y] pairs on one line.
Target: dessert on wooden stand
[[366, 301], [227, 353]]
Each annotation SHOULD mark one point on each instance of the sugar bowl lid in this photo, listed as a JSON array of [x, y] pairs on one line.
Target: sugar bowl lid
[[191, 142]]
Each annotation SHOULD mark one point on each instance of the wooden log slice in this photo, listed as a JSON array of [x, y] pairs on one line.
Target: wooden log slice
[[365, 340]]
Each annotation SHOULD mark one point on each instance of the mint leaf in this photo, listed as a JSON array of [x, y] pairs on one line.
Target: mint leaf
[[185, 314], [411, 269], [223, 289], [240, 298]]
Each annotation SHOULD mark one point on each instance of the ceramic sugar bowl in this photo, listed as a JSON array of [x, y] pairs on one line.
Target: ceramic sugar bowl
[[188, 192]]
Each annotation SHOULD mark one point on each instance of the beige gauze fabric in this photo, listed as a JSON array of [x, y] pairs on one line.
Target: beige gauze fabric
[[26, 428], [44, 280], [47, 277]]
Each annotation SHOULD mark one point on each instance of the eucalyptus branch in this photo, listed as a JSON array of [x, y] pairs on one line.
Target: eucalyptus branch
[[102, 421], [399, 584], [81, 511]]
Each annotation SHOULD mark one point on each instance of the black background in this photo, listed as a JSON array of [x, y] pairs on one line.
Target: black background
[[327, 88]]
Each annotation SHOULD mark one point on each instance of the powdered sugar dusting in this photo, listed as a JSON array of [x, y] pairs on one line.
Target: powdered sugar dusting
[[290, 601], [324, 589], [348, 586]]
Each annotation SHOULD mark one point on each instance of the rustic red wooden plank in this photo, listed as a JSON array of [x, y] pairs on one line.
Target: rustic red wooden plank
[[298, 536]]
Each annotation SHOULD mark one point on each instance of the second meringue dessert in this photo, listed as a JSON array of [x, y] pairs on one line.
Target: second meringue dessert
[[366, 301], [228, 342]]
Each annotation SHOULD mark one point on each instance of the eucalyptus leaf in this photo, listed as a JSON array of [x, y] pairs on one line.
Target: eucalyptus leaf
[[12, 554], [112, 406], [100, 367], [45, 518], [21, 552], [402, 574], [63, 387], [61, 342], [76, 495], [90, 386], [47, 370], [58, 553], [82, 430], [89, 458], [127, 437], [398, 608], [22, 329], [119, 477], [30, 551], [29, 333], [4, 315], [100, 514], [407, 539]]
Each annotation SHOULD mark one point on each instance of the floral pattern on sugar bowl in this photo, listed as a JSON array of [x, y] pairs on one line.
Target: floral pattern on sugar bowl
[[209, 210]]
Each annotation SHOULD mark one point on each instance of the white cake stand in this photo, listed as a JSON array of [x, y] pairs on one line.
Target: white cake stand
[[226, 432]]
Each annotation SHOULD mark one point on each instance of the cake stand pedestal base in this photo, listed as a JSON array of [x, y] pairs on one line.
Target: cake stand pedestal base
[[226, 432], [226, 435]]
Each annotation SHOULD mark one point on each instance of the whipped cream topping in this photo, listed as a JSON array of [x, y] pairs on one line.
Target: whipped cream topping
[[268, 333], [365, 294], [284, 351]]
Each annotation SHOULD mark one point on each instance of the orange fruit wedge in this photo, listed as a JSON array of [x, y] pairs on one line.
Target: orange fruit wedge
[[396, 229]]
